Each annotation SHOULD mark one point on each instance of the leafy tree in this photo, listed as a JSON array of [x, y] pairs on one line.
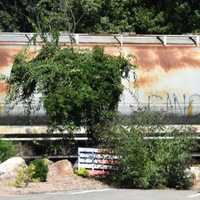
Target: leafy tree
[[140, 16], [79, 88], [7, 150], [14, 14]]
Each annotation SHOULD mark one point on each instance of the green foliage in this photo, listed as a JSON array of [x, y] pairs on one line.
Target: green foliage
[[40, 171], [14, 16], [140, 16], [24, 176], [150, 163], [171, 159], [82, 172], [35, 172], [7, 150], [79, 88]]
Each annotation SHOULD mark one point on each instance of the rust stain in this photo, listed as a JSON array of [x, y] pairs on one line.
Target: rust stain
[[160, 59], [3, 87], [149, 57], [7, 56], [114, 51], [4, 58], [144, 81], [168, 58]]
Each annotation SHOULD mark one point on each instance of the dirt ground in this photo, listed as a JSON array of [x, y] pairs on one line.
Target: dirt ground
[[66, 184]]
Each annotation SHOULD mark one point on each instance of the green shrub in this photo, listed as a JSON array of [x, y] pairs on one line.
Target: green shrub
[[82, 172], [26, 175], [22, 177], [41, 169], [148, 163], [7, 150], [172, 158]]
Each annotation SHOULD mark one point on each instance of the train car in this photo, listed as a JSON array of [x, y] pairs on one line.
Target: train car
[[166, 78]]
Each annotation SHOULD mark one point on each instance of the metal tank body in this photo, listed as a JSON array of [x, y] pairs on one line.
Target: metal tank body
[[167, 76]]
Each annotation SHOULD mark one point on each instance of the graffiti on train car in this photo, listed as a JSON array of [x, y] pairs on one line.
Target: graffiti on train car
[[169, 103]]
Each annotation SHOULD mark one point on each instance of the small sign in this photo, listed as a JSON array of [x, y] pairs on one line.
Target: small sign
[[99, 162]]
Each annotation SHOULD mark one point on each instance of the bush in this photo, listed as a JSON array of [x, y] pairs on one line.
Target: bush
[[7, 150], [149, 163], [24, 176], [41, 170], [35, 172], [82, 172]]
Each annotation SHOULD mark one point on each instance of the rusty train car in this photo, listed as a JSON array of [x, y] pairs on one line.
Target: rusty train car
[[166, 79]]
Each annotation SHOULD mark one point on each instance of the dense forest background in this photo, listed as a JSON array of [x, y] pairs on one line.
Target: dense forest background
[[100, 16]]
